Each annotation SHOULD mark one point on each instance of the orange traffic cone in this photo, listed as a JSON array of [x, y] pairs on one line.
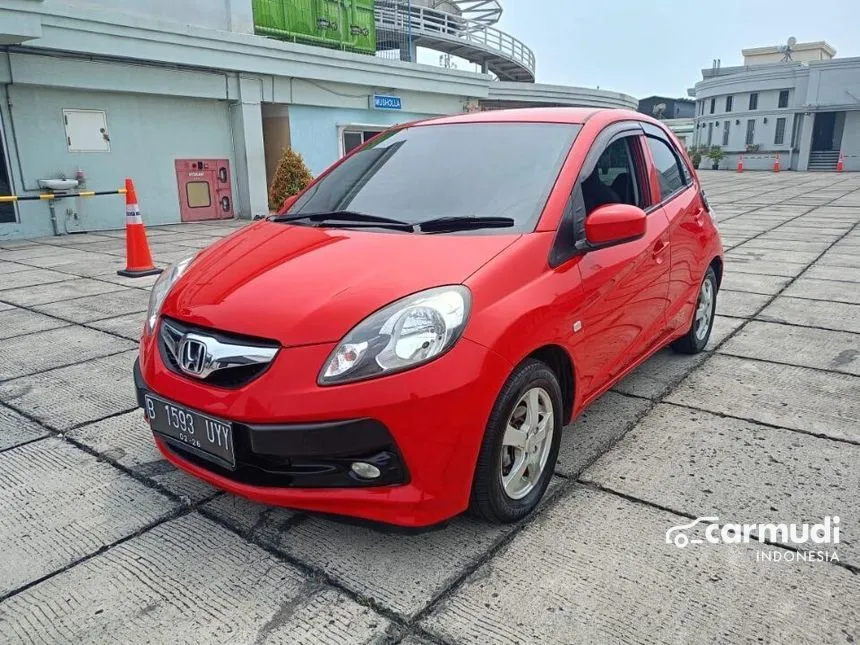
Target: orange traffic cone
[[138, 260], [840, 165], [741, 163], [776, 163]]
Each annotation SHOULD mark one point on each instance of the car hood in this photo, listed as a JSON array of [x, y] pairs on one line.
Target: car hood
[[302, 285]]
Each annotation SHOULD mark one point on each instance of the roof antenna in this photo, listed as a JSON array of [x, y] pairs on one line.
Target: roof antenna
[[786, 51]]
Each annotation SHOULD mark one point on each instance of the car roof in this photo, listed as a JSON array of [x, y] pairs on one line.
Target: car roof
[[535, 115]]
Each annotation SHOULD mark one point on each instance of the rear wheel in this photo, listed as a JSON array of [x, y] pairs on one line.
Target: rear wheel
[[697, 337], [520, 445]]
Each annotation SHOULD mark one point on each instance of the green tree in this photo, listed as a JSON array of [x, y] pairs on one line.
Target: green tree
[[291, 177]]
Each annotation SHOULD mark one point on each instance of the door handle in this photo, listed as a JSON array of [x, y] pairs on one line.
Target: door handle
[[700, 218], [657, 252]]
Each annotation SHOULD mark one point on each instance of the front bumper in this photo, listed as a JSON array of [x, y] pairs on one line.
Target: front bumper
[[295, 441], [307, 455]]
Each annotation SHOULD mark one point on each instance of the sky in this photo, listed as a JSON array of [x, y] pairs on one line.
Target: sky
[[659, 47]]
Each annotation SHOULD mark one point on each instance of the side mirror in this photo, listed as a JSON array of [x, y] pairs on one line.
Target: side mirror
[[288, 202], [613, 224]]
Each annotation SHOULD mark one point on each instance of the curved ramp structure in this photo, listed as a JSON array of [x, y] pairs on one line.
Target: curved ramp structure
[[462, 28]]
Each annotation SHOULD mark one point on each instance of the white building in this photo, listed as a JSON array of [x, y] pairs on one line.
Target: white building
[[801, 104], [800, 53]]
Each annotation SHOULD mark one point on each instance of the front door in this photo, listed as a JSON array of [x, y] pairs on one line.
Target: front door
[[823, 130], [625, 287]]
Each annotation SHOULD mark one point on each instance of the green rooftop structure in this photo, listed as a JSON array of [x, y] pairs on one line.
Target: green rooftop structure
[[339, 24]]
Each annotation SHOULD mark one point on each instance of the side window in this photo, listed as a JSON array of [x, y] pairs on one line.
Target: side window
[[670, 171], [614, 178]]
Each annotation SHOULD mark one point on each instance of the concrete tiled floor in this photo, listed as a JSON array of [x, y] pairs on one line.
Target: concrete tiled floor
[[104, 542]]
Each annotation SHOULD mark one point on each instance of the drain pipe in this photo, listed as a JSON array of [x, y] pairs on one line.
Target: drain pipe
[[53, 212], [12, 129]]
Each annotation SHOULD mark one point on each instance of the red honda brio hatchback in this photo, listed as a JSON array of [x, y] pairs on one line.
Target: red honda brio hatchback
[[408, 337]]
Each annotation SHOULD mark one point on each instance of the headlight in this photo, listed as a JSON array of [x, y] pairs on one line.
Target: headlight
[[162, 287], [403, 335]]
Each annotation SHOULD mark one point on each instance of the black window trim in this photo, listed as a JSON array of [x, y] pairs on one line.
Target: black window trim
[[654, 132], [749, 140], [571, 228], [776, 131]]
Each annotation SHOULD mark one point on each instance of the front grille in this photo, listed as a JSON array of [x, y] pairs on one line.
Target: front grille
[[229, 378]]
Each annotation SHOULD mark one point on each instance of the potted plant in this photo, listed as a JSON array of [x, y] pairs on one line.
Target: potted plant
[[715, 154], [695, 157], [291, 177]]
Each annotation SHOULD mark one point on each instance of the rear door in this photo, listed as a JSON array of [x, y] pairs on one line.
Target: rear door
[[679, 198], [625, 287]]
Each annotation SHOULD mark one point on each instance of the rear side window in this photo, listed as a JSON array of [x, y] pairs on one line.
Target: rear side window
[[669, 170]]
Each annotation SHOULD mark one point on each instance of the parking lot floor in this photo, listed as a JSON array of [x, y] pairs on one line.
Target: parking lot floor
[[102, 541]]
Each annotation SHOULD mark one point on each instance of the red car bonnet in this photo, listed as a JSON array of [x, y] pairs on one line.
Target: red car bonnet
[[302, 285]]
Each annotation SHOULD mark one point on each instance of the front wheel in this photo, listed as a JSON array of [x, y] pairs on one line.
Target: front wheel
[[520, 445], [697, 337]]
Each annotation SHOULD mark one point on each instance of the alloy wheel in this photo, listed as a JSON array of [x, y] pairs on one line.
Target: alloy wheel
[[527, 443], [704, 309]]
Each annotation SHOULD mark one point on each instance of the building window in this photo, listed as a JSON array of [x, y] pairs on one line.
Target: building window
[[754, 101], [795, 130], [779, 136], [726, 126], [710, 133], [713, 105], [750, 132], [783, 99], [729, 100], [354, 136]]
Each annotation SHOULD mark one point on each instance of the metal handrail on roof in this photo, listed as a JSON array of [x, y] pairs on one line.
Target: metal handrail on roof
[[486, 12], [507, 57]]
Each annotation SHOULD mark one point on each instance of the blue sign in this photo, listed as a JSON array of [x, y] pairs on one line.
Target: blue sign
[[381, 102]]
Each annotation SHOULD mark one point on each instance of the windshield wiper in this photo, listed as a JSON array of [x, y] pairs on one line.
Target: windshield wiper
[[365, 220], [348, 217], [446, 224]]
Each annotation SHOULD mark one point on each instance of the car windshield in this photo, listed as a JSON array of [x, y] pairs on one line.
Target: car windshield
[[470, 170]]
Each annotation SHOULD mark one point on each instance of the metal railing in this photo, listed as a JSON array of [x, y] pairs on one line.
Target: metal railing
[[51, 197], [487, 12], [424, 23]]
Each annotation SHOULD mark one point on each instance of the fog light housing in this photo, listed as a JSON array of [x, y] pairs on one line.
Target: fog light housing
[[365, 470]]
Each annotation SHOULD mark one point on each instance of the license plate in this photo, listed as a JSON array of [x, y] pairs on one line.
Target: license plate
[[205, 436]]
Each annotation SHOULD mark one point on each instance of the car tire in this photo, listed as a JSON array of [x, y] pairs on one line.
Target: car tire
[[520, 446], [699, 333]]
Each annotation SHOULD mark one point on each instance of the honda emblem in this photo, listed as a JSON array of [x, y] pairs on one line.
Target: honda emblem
[[193, 356]]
